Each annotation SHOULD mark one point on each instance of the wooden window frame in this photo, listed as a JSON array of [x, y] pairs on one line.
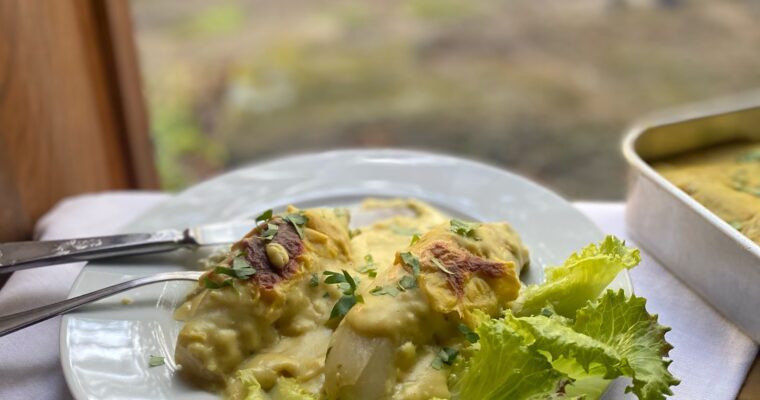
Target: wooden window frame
[[72, 115]]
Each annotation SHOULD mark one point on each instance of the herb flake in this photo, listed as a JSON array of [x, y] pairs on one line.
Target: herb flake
[[241, 267], [270, 232], [314, 281], [155, 361], [208, 283], [265, 216], [341, 308], [298, 220], [411, 261], [463, 229], [749, 157], [384, 290], [446, 356], [407, 282], [349, 299], [369, 267], [415, 239], [471, 336]]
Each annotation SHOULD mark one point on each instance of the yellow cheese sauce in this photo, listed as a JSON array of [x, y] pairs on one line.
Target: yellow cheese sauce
[[271, 335], [725, 179]]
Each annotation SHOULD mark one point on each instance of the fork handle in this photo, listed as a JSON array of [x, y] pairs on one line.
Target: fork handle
[[22, 255], [23, 319]]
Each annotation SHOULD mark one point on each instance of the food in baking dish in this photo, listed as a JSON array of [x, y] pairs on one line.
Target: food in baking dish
[[725, 179], [413, 306]]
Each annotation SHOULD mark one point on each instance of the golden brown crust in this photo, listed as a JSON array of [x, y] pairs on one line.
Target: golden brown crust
[[460, 264]]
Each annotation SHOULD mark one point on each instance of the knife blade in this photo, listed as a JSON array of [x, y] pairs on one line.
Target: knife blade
[[16, 256]]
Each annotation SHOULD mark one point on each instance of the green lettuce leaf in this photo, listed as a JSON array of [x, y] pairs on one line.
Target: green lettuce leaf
[[501, 366], [591, 385], [583, 277], [549, 356], [612, 337], [624, 325], [560, 340]]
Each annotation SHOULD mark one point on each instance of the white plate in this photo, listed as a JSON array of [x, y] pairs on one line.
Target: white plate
[[105, 347]]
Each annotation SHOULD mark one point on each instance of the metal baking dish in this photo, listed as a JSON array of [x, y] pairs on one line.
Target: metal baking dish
[[710, 256]]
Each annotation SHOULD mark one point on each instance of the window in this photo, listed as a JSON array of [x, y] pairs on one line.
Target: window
[[542, 87]]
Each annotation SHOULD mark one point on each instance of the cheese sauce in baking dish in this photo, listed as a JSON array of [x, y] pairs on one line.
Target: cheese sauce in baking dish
[[725, 179]]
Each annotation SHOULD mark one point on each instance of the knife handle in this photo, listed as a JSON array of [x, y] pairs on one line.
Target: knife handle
[[15, 256]]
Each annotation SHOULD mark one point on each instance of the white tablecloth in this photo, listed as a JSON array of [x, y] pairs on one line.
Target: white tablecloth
[[711, 356]]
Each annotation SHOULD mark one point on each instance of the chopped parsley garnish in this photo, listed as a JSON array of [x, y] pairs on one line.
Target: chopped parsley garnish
[[371, 272], [440, 266], [407, 282], [463, 229], [749, 157], [415, 239], [265, 216], [471, 336], [369, 268], [155, 361], [344, 304], [738, 225], [225, 271], [314, 281], [739, 177], [753, 191], [349, 299], [298, 220], [270, 232], [446, 356], [380, 290], [211, 284], [240, 269], [243, 273], [411, 261], [337, 277], [400, 230], [739, 182], [352, 233]]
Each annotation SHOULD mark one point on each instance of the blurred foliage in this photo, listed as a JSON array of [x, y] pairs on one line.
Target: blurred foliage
[[542, 87], [440, 9], [212, 20], [177, 137]]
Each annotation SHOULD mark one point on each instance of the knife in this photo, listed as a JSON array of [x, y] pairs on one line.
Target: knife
[[16, 256]]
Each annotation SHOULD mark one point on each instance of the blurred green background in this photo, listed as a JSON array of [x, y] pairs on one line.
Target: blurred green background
[[543, 87]]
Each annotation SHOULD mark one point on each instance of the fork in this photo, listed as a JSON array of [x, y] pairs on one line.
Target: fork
[[14, 322]]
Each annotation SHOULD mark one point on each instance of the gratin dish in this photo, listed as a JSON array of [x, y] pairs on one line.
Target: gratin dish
[[707, 253]]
